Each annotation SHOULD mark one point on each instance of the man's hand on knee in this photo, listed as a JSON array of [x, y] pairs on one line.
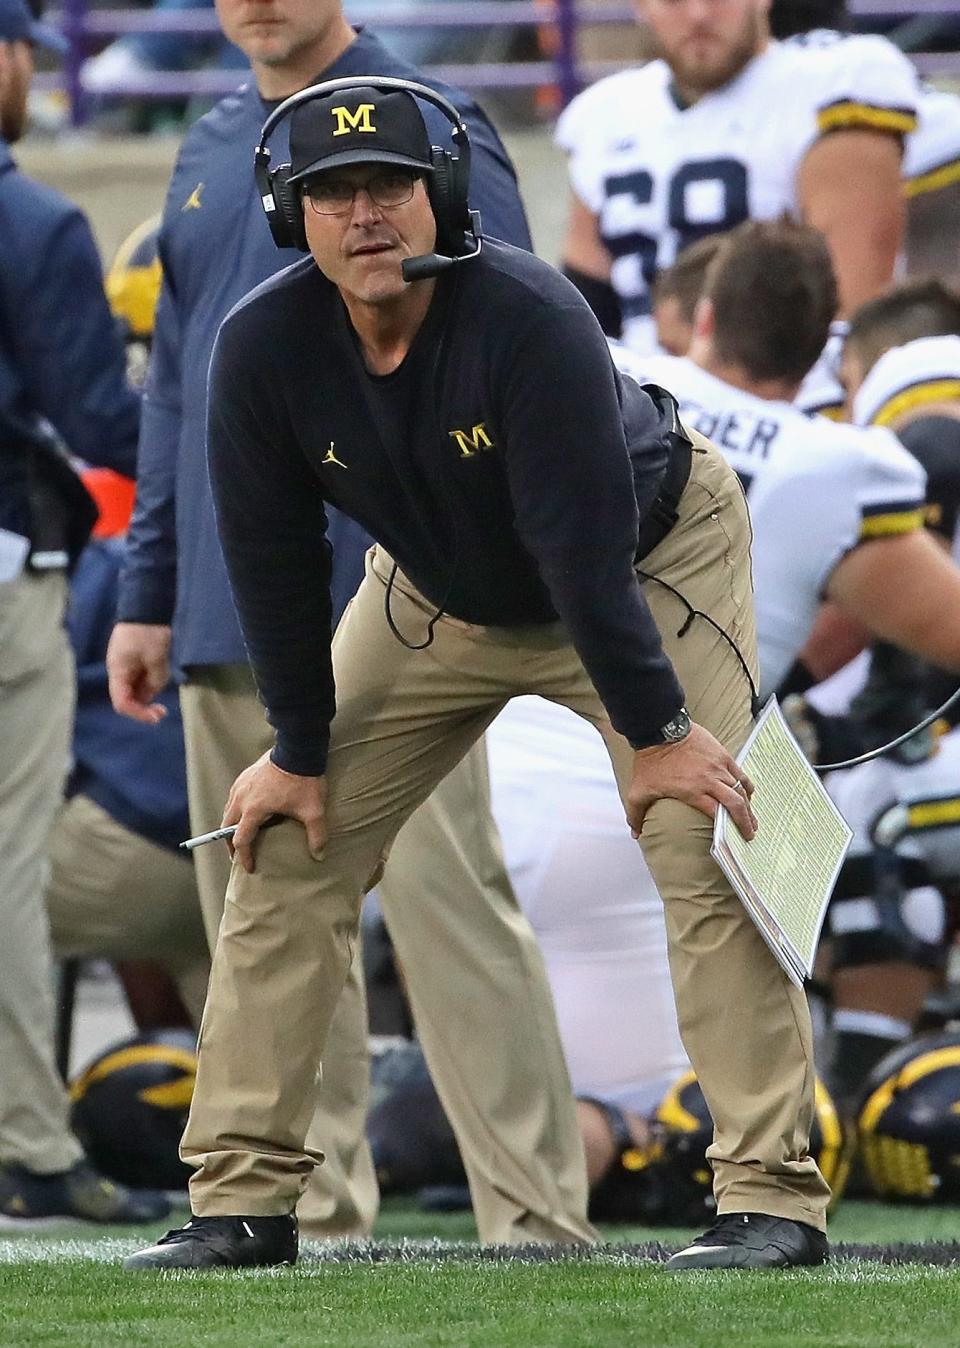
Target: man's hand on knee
[[698, 771], [263, 790]]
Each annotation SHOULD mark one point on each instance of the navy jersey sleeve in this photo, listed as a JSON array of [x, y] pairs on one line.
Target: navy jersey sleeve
[[574, 498], [67, 344], [148, 582], [272, 525]]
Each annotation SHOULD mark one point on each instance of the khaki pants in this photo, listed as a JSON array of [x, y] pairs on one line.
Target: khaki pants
[[114, 895], [404, 719], [36, 722], [225, 730], [463, 942]]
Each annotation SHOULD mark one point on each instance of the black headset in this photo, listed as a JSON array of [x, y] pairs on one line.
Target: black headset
[[458, 227]]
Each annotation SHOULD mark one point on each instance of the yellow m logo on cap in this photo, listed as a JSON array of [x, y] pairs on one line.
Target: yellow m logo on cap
[[348, 120]]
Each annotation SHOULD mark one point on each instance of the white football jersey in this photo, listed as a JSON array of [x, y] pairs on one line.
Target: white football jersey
[[932, 158], [815, 488], [660, 176]]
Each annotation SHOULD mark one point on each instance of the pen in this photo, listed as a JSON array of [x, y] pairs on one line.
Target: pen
[[190, 843], [201, 838]]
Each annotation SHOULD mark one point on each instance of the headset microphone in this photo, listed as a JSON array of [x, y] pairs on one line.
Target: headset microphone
[[432, 264]]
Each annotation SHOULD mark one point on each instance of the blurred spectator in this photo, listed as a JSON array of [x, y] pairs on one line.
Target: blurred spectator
[[61, 375], [138, 54]]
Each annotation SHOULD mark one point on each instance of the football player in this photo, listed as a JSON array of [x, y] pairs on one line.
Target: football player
[[834, 508], [729, 125], [887, 927]]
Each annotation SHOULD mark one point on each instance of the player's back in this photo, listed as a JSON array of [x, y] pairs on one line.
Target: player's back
[[815, 490]]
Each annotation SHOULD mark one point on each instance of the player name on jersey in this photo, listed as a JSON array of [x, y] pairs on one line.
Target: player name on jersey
[[815, 489]]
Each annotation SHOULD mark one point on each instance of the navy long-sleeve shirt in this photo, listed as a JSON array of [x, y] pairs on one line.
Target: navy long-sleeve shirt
[[61, 356], [501, 464], [215, 247]]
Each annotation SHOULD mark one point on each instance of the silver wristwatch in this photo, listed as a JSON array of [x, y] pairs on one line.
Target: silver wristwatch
[[678, 729]]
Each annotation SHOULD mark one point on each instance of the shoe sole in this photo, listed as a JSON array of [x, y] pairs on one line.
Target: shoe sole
[[694, 1267], [130, 1266]]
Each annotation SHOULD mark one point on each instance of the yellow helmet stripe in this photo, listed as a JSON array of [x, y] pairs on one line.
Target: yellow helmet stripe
[[911, 1072], [932, 391], [135, 1056], [672, 1113]]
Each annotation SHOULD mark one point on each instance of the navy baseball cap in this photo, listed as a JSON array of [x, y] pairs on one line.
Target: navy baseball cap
[[17, 24], [358, 126]]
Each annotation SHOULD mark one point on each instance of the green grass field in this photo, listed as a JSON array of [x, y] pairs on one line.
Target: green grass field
[[422, 1282]]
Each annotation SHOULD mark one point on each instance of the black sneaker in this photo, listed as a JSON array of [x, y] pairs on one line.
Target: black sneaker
[[81, 1193], [752, 1240], [222, 1242]]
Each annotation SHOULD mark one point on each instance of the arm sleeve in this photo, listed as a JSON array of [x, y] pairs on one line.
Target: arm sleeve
[[891, 489], [573, 493], [70, 349], [868, 85], [148, 582], [580, 133], [272, 524]]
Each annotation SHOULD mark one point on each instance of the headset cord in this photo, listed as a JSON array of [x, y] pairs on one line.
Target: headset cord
[[440, 613], [698, 613], [434, 382], [893, 744], [755, 696]]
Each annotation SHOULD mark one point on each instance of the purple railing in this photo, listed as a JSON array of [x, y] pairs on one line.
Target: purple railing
[[83, 26]]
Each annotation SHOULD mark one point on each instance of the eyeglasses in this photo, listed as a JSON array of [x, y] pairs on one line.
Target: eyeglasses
[[335, 196]]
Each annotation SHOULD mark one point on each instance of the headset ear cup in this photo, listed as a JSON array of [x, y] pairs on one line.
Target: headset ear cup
[[439, 192], [448, 200], [290, 209]]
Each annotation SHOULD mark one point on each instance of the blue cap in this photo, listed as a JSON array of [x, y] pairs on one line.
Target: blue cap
[[17, 24]]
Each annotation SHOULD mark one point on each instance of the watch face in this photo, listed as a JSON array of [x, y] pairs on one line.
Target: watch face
[[679, 728]]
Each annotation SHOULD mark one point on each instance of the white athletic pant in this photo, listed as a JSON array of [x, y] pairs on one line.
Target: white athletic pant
[[586, 890]]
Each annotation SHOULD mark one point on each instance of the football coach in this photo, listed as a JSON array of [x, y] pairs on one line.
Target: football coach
[[543, 526]]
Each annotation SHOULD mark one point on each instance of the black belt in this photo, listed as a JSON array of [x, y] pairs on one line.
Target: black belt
[[665, 510]]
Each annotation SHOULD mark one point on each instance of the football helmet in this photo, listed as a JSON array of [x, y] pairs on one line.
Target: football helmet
[[685, 1131], [133, 290], [130, 1107], [909, 1121]]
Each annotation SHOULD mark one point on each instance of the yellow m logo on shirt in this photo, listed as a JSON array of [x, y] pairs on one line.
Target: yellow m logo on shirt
[[470, 442], [348, 120]]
